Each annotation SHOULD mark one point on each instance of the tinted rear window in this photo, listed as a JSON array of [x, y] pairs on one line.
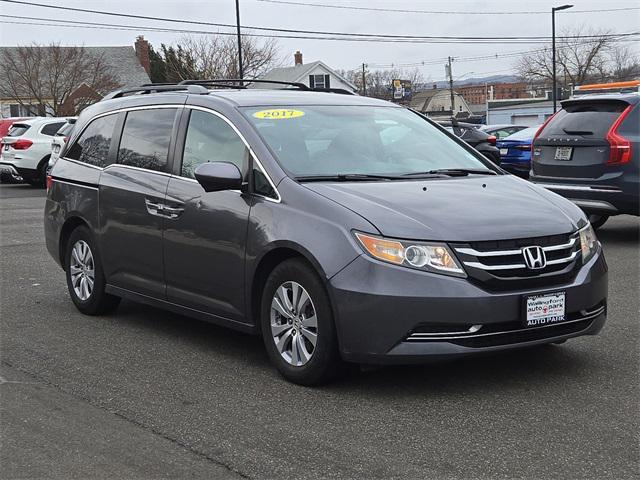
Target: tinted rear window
[[145, 138], [66, 130], [526, 134], [18, 129], [589, 119]]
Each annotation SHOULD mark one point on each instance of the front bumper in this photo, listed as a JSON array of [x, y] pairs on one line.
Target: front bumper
[[383, 311]]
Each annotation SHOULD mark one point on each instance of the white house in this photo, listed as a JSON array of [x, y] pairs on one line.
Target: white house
[[315, 75]]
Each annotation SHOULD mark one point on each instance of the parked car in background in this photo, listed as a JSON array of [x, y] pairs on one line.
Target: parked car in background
[[26, 148], [481, 141], [515, 151], [8, 175], [60, 140], [501, 131], [589, 152], [339, 227]]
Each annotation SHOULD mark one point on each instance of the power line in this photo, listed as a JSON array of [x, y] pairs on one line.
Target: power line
[[107, 26], [434, 12], [369, 36]]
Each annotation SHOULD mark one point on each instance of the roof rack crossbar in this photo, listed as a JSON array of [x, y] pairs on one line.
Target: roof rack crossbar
[[157, 88], [245, 81]]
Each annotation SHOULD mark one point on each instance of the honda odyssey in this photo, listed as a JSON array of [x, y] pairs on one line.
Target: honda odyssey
[[338, 227]]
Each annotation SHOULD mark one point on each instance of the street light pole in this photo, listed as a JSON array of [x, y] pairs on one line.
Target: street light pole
[[554, 93], [241, 73]]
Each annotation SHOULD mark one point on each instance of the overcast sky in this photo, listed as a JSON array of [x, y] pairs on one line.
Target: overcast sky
[[340, 54]]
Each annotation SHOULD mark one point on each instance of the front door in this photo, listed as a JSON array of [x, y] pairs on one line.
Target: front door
[[204, 242], [132, 192]]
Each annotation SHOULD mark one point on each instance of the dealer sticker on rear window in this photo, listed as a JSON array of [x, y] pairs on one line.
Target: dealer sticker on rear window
[[278, 113]]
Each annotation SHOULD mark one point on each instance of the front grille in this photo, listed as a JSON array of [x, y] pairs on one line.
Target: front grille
[[505, 333], [500, 265]]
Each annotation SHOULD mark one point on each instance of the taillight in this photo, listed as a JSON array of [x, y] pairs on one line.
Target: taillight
[[492, 140], [539, 131], [21, 144], [525, 147], [49, 182], [619, 147], [66, 139]]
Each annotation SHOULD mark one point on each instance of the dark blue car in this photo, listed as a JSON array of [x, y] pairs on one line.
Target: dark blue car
[[515, 151]]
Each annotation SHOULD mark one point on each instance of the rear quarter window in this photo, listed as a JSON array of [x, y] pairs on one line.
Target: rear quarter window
[[588, 119], [93, 145]]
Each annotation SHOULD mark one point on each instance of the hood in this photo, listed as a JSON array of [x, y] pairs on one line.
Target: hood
[[461, 209]]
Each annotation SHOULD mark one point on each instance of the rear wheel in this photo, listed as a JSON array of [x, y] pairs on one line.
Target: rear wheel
[[598, 220], [297, 324], [85, 276]]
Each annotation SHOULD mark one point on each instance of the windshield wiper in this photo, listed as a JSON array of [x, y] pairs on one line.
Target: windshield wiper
[[454, 172], [346, 177]]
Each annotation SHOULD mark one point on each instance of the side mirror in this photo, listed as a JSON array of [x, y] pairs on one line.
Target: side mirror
[[217, 176]]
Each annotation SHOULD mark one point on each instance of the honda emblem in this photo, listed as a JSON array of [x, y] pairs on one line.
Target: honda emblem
[[534, 257]]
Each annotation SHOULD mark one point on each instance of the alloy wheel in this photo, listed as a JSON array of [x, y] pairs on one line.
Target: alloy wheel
[[82, 270], [294, 326]]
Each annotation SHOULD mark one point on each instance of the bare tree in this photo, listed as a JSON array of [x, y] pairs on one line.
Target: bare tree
[[216, 56], [45, 77], [624, 64], [379, 82], [578, 60]]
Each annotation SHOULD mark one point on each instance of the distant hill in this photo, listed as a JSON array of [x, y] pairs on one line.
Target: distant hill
[[473, 80]]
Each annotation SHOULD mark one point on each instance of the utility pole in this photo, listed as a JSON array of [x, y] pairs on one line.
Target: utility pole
[[364, 80], [239, 41], [554, 94], [450, 72]]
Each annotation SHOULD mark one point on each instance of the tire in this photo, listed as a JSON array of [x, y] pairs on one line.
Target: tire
[[597, 220], [40, 181], [307, 364], [90, 299]]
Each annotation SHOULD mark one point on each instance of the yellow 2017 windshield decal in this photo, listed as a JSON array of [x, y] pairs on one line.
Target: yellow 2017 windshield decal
[[278, 114]]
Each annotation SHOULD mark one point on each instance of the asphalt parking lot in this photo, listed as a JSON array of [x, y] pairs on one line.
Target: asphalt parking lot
[[147, 394]]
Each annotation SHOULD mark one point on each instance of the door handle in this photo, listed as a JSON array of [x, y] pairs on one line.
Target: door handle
[[172, 212], [153, 208]]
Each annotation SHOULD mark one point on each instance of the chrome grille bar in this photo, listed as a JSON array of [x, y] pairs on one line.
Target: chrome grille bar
[[505, 253]]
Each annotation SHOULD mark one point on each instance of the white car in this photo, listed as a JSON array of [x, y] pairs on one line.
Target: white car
[[27, 148], [60, 140]]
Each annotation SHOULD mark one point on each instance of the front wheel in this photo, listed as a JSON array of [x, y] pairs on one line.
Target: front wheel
[[297, 324], [85, 276], [598, 220]]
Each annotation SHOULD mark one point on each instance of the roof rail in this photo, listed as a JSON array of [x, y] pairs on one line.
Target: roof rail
[[156, 88], [227, 82], [342, 91]]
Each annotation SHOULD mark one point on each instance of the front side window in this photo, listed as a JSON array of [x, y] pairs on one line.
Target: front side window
[[92, 146], [211, 139], [334, 140], [145, 138]]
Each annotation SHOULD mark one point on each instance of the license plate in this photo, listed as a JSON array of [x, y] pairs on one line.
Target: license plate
[[545, 309], [504, 151], [563, 153]]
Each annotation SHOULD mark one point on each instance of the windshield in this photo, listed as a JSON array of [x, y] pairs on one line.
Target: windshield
[[526, 134], [358, 140]]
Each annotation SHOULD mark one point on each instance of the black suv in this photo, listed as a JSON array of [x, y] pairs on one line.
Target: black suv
[[589, 153], [338, 227], [482, 141]]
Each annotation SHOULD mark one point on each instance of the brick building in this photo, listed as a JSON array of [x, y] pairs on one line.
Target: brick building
[[478, 94]]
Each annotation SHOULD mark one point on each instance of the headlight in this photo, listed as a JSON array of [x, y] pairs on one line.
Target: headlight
[[588, 242], [431, 257]]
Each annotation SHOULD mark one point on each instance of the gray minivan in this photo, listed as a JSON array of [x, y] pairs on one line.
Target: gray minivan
[[339, 227]]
